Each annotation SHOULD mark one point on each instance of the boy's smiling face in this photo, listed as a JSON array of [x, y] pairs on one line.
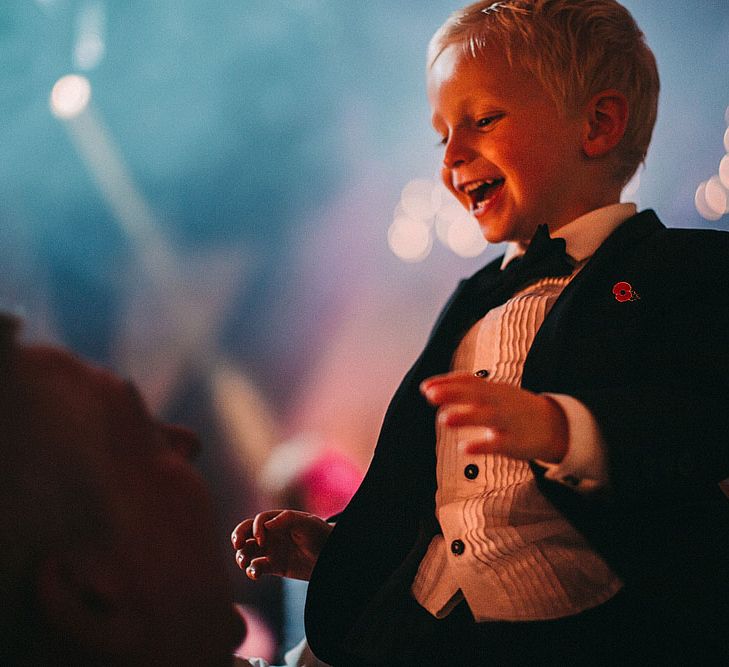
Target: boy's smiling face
[[511, 158]]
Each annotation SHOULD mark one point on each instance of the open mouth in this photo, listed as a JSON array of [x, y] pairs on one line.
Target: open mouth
[[479, 191], [483, 193]]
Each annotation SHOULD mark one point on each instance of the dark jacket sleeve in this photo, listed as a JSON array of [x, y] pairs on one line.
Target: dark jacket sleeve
[[654, 373]]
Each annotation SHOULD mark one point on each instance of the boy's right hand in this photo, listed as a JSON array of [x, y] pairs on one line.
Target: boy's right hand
[[285, 543]]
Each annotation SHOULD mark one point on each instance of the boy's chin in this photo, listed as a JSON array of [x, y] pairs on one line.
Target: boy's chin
[[494, 234], [499, 233]]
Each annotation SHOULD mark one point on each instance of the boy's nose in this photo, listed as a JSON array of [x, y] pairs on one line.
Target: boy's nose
[[457, 152]]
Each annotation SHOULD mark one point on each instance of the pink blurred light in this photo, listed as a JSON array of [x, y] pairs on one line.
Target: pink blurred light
[[259, 640], [329, 483]]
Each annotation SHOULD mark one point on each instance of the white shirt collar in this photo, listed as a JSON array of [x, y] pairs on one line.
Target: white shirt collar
[[584, 235]]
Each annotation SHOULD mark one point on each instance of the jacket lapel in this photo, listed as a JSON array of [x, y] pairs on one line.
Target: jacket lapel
[[581, 299]]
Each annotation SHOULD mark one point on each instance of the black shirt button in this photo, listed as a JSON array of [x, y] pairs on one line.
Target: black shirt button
[[471, 471], [483, 373], [457, 547]]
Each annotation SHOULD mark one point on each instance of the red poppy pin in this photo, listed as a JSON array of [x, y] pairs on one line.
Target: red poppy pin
[[624, 292]]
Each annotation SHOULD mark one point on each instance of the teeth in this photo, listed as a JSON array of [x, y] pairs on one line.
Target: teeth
[[475, 185]]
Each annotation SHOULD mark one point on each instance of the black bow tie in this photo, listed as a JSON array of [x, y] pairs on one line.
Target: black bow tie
[[544, 257]]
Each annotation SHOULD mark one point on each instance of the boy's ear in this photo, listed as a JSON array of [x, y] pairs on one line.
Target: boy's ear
[[83, 597], [606, 119]]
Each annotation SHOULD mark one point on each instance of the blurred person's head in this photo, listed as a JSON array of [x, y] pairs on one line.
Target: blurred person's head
[[107, 547]]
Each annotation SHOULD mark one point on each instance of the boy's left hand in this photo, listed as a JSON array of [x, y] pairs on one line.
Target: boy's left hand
[[516, 422]]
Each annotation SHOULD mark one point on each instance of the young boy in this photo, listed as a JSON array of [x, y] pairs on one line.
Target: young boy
[[563, 504]]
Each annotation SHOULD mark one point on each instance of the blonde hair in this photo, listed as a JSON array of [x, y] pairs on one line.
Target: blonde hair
[[575, 49]]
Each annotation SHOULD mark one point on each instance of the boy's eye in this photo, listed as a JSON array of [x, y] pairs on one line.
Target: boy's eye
[[480, 123], [486, 121]]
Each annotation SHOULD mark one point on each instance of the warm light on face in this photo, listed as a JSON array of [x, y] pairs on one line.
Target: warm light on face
[[510, 155], [70, 96]]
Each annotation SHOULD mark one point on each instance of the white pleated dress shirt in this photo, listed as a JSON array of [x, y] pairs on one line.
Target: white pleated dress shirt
[[505, 549]]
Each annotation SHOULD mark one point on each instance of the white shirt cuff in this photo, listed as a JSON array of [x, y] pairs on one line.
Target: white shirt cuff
[[584, 466]]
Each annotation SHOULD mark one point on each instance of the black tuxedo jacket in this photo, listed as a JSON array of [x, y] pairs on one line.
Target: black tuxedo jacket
[[654, 372]]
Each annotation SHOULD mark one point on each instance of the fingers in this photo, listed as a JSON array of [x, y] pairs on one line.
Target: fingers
[[246, 553], [258, 529], [471, 415], [307, 531], [492, 441], [279, 542], [516, 422], [446, 378], [283, 519], [458, 387], [254, 528], [467, 400], [255, 563], [290, 520], [259, 567], [241, 533]]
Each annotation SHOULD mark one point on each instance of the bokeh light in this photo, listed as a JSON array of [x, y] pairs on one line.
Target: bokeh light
[[90, 46], [705, 211], [277, 132], [465, 238], [89, 51], [438, 195], [450, 212], [410, 239], [716, 196], [417, 199], [458, 230], [425, 203], [70, 96], [724, 171]]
